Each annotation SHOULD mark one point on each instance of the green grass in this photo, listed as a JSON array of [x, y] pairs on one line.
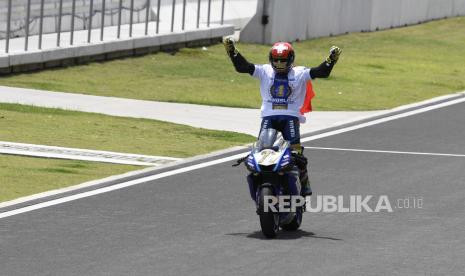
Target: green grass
[[377, 70], [22, 176], [56, 127]]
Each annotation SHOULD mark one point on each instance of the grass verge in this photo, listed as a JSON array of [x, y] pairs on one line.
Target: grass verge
[[56, 127], [23, 176], [377, 70]]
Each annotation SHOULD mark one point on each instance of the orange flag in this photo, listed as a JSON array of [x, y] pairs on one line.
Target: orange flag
[[309, 94]]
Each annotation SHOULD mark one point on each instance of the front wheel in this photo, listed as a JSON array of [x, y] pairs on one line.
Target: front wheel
[[269, 221], [296, 221]]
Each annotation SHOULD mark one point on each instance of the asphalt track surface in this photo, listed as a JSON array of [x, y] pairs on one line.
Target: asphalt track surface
[[203, 222]]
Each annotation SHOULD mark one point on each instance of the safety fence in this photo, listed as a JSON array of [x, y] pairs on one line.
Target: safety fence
[[26, 18]]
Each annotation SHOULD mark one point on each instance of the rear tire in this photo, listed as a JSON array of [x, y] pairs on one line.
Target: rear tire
[[269, 221]]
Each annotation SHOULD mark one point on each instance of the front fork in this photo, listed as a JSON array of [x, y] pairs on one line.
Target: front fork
[[287, 184]]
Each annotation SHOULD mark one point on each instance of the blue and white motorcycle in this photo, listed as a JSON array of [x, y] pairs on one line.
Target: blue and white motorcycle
[[274, 174]]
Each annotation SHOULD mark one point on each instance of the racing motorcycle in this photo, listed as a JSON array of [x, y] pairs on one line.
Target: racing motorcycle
[[273, 174]]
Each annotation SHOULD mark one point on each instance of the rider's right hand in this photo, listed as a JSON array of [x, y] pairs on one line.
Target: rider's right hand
[[334, 54], [229, 45]]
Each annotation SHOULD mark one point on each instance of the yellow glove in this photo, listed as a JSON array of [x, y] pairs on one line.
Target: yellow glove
[[334, 54]]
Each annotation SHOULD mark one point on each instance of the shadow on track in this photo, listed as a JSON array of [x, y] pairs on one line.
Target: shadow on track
[[284, 235]]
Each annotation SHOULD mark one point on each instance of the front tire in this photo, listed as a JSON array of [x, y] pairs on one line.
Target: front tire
[[296, 221], [269, 221]]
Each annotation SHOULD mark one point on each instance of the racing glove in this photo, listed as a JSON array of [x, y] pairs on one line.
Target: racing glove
[[230, 46], [334, 54]]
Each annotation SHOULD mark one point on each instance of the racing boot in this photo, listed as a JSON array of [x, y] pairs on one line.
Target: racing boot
[[301, 162], [305, 182]]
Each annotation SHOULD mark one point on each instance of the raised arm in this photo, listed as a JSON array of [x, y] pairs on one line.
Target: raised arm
[[324, 69], [239, 62]]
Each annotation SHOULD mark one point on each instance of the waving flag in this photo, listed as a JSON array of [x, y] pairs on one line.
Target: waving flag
[[309, 94]]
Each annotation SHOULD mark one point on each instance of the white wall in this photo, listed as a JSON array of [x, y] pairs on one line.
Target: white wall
[[292, 20]]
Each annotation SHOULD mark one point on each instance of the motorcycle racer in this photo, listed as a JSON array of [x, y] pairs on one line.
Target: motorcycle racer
[[284, 88]]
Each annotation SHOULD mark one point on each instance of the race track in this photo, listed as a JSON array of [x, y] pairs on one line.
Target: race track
[[203, 222]]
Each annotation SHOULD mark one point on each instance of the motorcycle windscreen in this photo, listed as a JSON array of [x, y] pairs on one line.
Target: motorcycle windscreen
[[270, 139], [266, 139]]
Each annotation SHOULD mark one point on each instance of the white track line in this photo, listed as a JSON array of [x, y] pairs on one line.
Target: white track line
[[382, 120], [38, 149], [214, 162], [85, 150], [389, 151], [117, 186], [75, 157]]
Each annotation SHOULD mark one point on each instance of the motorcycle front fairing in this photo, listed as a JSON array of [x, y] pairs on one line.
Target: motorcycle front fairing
[[271, 153]]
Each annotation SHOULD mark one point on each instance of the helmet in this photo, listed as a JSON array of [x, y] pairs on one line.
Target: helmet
[[282, 57]]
